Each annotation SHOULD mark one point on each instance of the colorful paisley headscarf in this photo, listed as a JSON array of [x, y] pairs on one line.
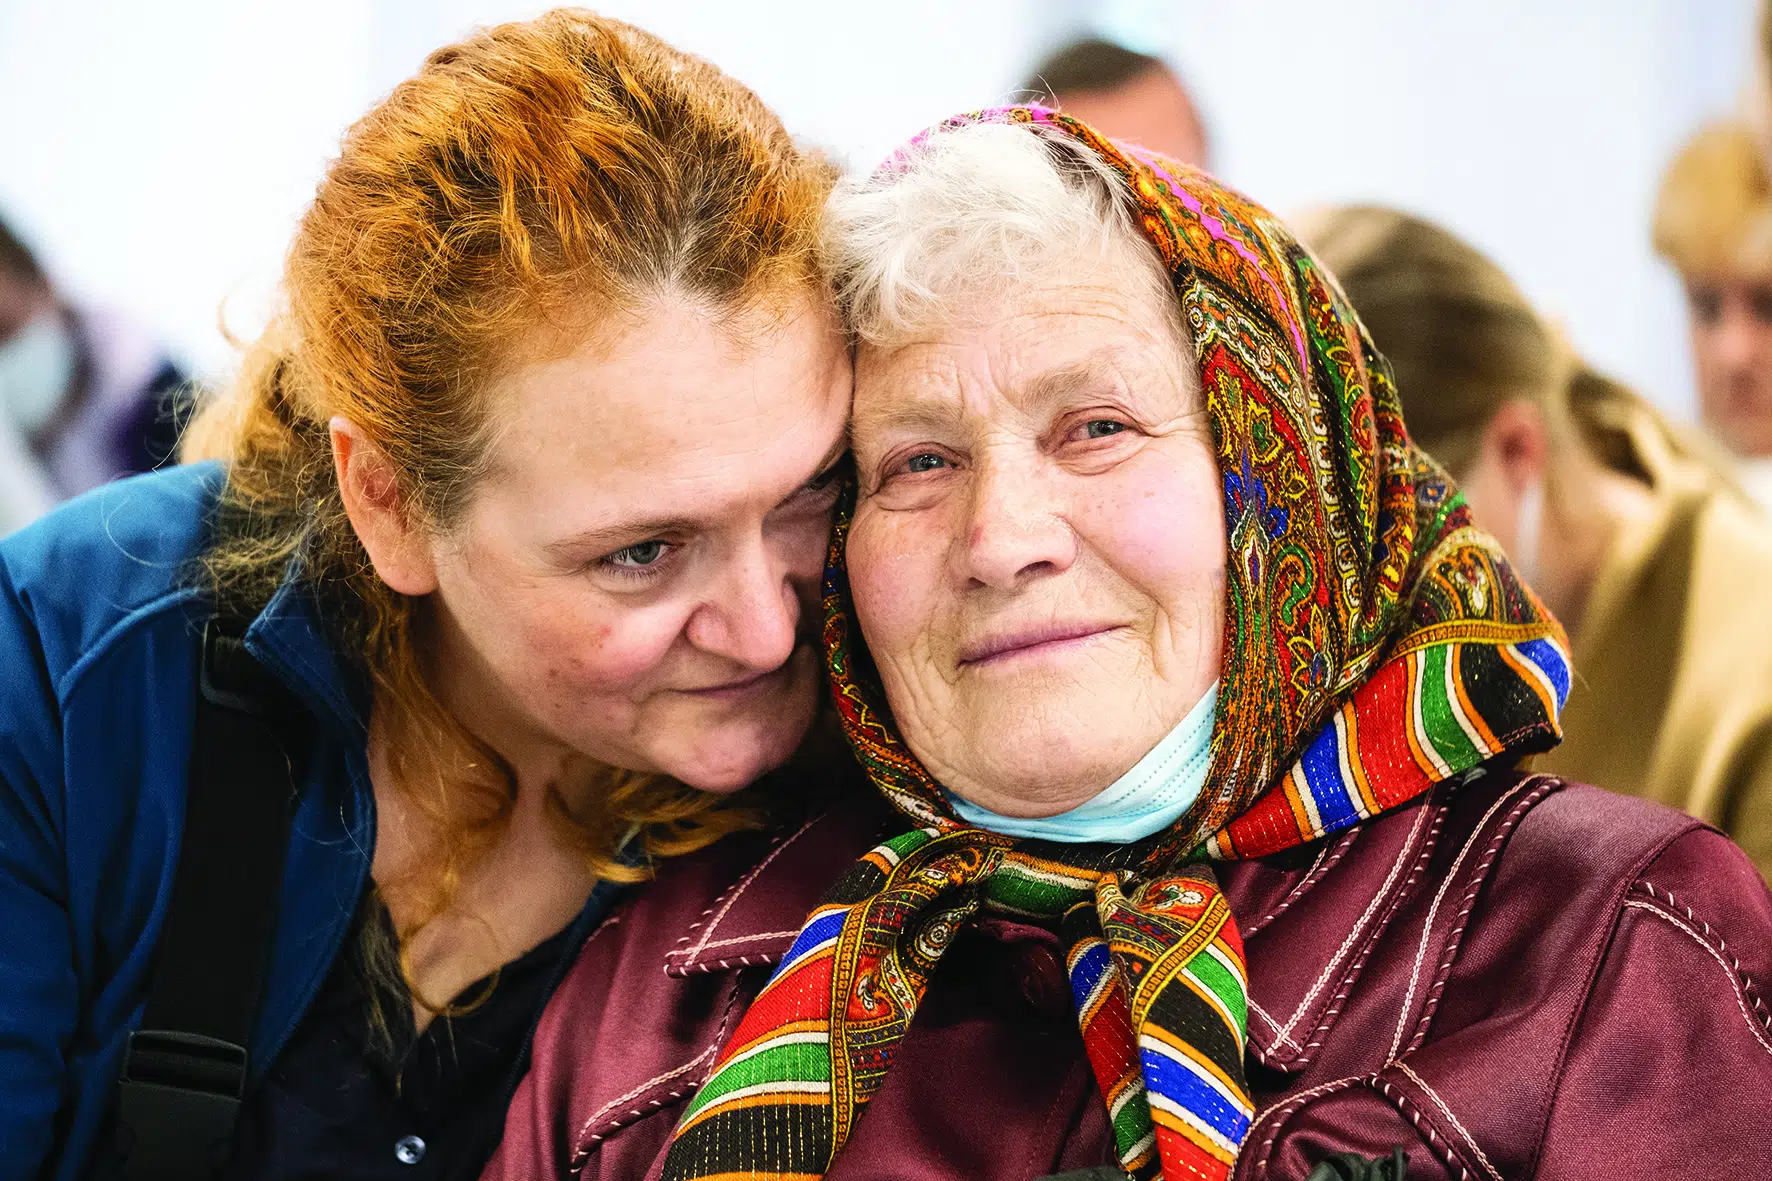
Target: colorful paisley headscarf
[[1376, 644]]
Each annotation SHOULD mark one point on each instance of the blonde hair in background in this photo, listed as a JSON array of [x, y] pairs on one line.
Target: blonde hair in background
[[1463, 341], [536, 177], [1713, 216]]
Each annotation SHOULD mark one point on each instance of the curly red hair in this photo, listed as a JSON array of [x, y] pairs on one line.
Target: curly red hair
[[558, 169]]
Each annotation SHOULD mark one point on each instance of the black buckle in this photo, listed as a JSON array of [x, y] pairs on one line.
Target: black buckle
[[227, 677], [177, 1101]]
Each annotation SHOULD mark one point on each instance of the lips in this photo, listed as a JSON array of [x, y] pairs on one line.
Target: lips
[[1027, 641], [732, 688]]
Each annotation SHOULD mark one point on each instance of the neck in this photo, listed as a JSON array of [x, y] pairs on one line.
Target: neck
[[467, 689], [1587, 505]]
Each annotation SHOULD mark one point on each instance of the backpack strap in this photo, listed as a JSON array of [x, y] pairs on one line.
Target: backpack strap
[[184, 1072]]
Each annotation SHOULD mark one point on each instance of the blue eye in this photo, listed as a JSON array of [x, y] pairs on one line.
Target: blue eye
[[924, 462], [1101, 428], [638, 556]]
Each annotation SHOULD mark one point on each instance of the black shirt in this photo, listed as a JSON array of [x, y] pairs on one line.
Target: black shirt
[[340, 1102]]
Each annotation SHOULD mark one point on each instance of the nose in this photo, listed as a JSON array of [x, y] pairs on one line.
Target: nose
[[1736, 337], [1015, 526], [752, 615]]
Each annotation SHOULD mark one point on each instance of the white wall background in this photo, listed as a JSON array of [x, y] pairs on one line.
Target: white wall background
[[158, 154]]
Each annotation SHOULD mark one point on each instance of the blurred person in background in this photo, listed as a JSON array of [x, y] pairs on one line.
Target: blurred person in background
[[1629, 527], [321, 758], [1129, 95], [1713, 222], [85, 395]]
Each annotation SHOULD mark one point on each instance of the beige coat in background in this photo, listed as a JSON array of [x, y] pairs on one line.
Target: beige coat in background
[[1672, 699]]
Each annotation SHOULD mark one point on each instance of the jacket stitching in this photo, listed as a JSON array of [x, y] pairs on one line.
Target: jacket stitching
[[713, 943], [726, 901], [1326, 860], [587, 1140], [68, 681], [1723, 958], [1741, 973], [1280, 1035], [1382, 896], [1482, 1158], [1448, 1154], [1591, 975], [1353, 973], [1479, 878], [1427, 927], [1283, 1110]]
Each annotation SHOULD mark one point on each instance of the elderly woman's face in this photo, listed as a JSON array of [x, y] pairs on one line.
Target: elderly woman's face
[[1038, 551]]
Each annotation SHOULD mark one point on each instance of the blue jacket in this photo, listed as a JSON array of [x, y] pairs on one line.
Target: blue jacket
[[100, 615]]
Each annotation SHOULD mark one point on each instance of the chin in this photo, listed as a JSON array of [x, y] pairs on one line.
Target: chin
[[729, 757], [1039, 765]]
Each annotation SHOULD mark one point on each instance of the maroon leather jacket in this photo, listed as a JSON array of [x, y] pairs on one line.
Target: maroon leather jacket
[[1514, 978]]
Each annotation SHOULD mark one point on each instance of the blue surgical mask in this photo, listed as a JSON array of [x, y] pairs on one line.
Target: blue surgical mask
[[1145, 800], [36, 368]]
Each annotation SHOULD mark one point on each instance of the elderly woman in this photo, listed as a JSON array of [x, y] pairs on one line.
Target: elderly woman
[[1200, 708]]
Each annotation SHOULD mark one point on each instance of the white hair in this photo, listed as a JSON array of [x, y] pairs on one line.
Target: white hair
[[965, 211]]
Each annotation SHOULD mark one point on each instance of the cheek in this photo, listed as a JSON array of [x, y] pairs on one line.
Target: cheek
[[553, 631], [1160, 526], [895, 562], [597, 647]]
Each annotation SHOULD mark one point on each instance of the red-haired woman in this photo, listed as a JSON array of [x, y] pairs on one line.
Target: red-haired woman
[[321, 759]]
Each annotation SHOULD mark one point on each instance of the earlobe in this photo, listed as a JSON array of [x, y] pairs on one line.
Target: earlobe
[[398, 546]]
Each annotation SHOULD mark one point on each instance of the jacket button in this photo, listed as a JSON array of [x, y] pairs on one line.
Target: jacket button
[[409, 1150], [1044, 984]]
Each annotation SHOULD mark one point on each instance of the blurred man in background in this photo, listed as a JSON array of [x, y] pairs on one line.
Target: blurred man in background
[[85, 396], [1713, 221], [1124, 95]]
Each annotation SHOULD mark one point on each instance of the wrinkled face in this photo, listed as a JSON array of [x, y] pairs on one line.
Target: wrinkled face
[[635, 580], [1731, 321], [1038, 551]]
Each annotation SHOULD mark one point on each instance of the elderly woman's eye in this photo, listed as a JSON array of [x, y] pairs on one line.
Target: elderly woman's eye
[[924, 461], [1101, 428]]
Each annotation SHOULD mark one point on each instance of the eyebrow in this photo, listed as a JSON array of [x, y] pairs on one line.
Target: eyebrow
[[607, 537], [1054, 385], [913, 413]]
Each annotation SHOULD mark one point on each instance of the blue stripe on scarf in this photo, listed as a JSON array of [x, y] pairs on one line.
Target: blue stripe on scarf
[[1165, 1076]]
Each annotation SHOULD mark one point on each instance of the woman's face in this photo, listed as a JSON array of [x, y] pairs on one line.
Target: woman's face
[[1038, 551], [635, 580]]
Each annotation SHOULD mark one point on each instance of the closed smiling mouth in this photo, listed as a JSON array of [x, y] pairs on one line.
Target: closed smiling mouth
[[1050, 637], [737, 687]]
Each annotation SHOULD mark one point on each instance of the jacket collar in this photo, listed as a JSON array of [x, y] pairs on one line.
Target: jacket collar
[[756, 919], [289, 637], [1309, 924], [1309, 919]]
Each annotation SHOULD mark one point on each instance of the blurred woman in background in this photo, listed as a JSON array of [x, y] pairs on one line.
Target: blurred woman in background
[[86, 395], [319, 762], [1630, 529]]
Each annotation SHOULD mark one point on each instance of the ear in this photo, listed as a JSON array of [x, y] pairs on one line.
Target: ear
[[1516, 445], [398, 546]]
